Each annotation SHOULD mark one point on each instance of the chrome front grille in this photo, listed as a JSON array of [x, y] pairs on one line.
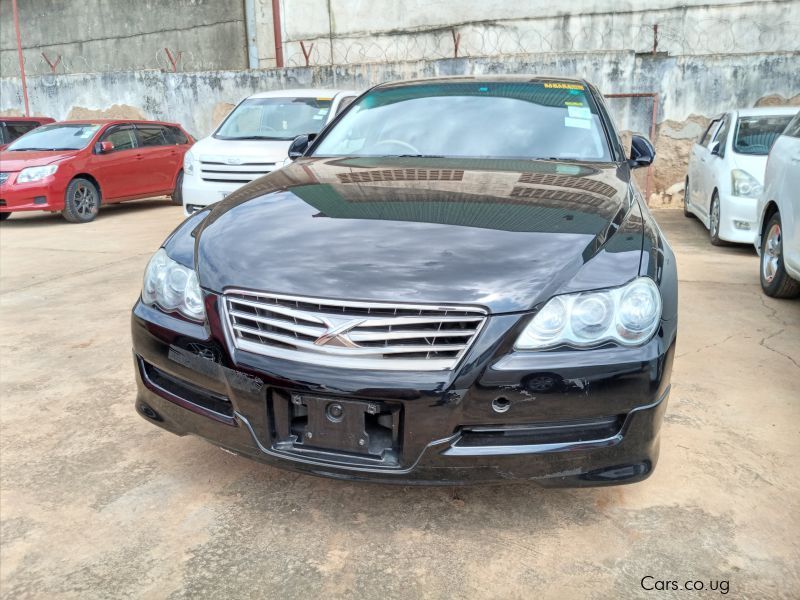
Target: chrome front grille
[[365, 335], [227, 173]]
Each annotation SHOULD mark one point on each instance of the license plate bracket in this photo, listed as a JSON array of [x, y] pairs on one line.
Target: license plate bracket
[[336, 424]]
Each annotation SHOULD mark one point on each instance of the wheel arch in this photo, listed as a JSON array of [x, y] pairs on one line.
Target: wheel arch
[[93, 180], [770, 209]]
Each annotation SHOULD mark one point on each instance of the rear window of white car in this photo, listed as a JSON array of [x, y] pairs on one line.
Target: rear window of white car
[[755, 135]]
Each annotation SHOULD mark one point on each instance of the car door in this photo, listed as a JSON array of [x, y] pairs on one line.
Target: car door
[[157, 159], [716, 164], [115, 169], [787, 196], [698, 165]]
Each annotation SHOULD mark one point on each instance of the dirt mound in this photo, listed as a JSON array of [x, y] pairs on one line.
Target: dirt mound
[[116, 111]]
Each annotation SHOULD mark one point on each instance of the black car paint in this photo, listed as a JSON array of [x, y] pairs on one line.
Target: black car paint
[[507, 235]]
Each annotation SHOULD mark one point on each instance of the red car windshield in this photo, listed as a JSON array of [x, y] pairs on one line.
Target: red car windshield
[[73, 136]]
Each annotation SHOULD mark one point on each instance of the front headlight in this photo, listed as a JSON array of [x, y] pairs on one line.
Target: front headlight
[[744, 184], [36, 173], [627, 315], [171, 286], [188, 163]]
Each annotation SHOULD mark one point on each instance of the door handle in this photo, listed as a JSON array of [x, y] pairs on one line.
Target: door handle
[[796, 158]]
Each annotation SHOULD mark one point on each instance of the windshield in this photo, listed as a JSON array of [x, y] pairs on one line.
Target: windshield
[[275, 119], [56, 137], [480, 120], [755, 135]]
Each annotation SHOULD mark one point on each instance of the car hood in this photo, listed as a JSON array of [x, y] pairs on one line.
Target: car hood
[[503, 234], [16, 161], [211, 149]]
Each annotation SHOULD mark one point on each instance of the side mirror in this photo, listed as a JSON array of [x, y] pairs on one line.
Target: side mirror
[[714, 149], [300, 144], [642, 152], [105, 147]]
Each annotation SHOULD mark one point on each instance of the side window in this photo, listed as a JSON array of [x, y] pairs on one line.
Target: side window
[[175, 136], [3, 134], [346, 101], [151, 136], [122, 138], [15, 130], [722, 135], [793, 128], [712, 128]]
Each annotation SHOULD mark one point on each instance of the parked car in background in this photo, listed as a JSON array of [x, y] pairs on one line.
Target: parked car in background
[[726, 171], [457, 281], [75, 166], [253, 139], [13, 127], [778, 231]]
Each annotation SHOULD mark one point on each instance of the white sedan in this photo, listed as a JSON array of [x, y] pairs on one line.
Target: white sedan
[[726, 171], [778, 233]]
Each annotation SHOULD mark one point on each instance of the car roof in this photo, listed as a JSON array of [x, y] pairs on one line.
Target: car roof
[[302, 93], [767, 111], [116, 122], [488, 79]]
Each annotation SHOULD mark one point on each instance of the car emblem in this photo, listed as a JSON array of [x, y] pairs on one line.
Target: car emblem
[[336, 335], [233, 160]]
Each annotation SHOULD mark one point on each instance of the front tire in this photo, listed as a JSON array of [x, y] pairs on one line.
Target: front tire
[[686, 212], [81, 201], [714, 219], [177, 194], [775, 281]]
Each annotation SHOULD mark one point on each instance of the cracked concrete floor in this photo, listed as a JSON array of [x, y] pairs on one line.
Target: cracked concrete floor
[[97, 503]]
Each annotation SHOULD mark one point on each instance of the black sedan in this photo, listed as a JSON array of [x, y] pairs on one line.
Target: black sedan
[[456, 281]]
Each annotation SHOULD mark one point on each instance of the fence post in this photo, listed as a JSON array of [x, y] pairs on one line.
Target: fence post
[[21, 60]]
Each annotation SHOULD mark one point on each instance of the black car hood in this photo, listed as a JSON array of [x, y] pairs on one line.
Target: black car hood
[[504, 234]]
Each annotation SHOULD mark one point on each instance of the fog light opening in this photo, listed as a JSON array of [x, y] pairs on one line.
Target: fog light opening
[[745, 225], [501, 404], [148, 412]]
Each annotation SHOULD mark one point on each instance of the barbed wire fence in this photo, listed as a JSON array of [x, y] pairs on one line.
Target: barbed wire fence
[[658, 35]]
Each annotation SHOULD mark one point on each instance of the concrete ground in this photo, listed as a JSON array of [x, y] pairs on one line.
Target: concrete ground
[[97, 503]]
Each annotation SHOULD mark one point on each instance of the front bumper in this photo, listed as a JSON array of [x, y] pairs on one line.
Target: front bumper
[[574, 418], [45, 194], [197, 193], [736, 212]]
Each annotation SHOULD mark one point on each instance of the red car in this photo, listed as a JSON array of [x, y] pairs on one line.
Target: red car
[[13, 127], [75, 166]]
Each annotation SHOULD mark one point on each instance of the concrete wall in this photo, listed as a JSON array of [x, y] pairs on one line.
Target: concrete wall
[[355, 31], [691, 89], [112, 35]]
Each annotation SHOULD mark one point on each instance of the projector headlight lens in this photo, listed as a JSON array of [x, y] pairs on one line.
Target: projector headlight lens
[[627, 315], [172, 287]]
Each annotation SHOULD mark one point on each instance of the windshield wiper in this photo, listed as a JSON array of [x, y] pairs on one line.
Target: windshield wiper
[[413, 156], [257, 137], [40, 149]]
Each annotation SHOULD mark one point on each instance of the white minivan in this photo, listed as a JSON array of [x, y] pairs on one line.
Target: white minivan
[[778, 231], [253, 140], [726, 171]]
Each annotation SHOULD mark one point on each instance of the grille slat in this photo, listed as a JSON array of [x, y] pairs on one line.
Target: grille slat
[[243, 173], [354, 334]]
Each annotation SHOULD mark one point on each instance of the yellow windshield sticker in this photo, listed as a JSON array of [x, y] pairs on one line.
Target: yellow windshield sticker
[[329, 99], [573, 103], [564, 86]]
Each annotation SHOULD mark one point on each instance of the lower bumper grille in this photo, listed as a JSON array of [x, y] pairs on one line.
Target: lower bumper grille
[[368, 335]]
